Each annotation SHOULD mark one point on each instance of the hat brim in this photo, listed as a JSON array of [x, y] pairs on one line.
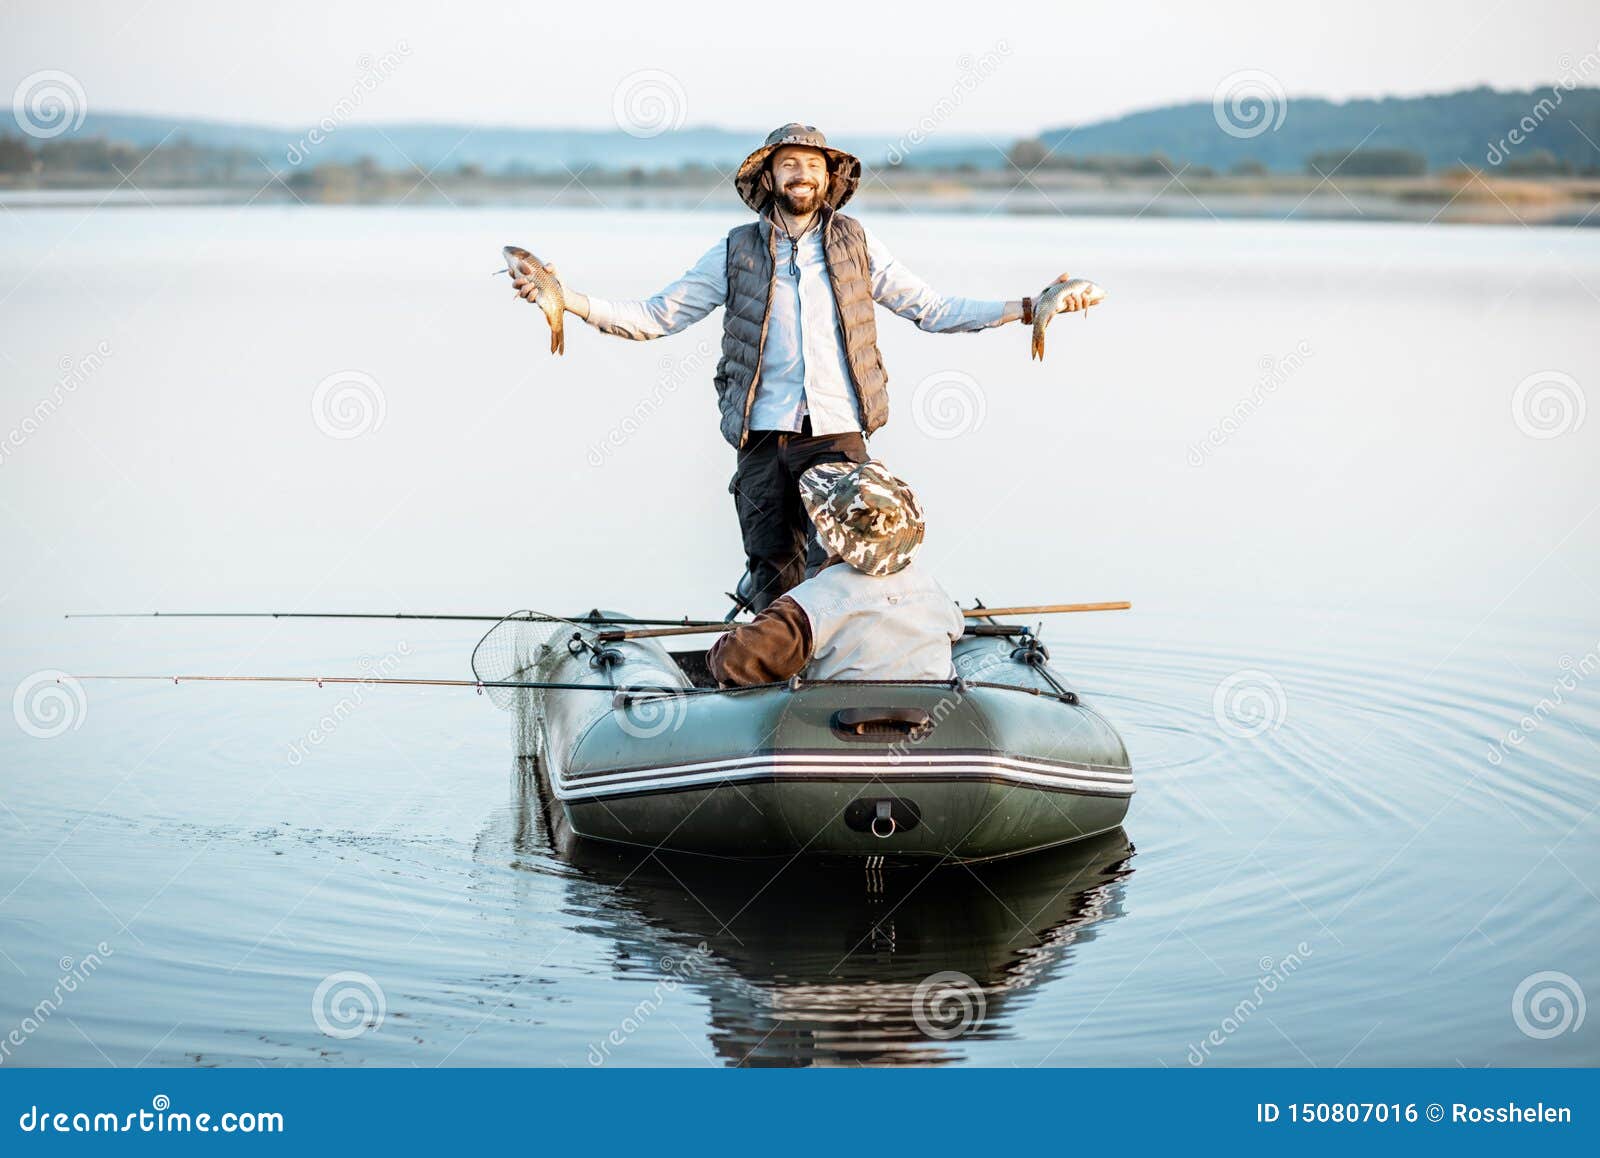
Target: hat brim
[[844, 175]]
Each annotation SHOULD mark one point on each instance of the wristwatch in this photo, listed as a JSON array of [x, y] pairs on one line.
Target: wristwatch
[[1027, 311]]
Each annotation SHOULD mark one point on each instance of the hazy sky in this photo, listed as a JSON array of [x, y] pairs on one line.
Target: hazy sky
[[859, 67]]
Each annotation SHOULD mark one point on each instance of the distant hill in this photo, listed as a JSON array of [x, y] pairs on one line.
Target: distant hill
[[1446, 130], [1436, 131], [493, 149]]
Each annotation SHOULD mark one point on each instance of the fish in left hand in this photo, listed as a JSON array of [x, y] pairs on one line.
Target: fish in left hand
[[547, 293], [1052, 300]]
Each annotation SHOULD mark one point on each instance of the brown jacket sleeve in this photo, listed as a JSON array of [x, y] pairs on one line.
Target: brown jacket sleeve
[[773, 646]]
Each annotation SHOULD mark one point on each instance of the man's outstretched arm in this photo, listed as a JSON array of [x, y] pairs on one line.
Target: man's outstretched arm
[[896, 288], [700, 290]]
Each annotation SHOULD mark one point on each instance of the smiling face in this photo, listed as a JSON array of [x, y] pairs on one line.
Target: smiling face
[[799, 176]]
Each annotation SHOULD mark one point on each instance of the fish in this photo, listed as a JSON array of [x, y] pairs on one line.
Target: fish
[[548, 296], [1045, 308]]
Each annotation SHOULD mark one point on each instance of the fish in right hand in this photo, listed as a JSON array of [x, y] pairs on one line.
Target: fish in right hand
[[1050, 301], [547, 294]]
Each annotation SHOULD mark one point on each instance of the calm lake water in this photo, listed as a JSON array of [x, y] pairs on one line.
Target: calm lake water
[[1345, 472]]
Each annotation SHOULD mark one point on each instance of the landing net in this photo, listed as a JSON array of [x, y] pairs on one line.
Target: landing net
[[521, 648]]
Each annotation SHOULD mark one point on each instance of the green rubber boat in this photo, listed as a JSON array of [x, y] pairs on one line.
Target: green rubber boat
[[640, 747]]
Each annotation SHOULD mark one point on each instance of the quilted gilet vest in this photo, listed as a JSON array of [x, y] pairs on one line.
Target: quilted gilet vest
[[752, 262]]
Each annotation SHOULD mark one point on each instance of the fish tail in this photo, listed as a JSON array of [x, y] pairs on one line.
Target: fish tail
[[558, 337]]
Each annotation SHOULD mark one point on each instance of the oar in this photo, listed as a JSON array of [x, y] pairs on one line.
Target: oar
[[969, 612], [1044, 609]]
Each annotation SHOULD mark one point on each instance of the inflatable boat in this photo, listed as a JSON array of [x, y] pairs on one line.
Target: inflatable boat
[[635, 744]]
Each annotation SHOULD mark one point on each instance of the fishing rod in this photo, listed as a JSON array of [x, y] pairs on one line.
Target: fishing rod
[[379, 680], [534, 618], [657, 627], [619, 691], [679, 627], [968, 612]]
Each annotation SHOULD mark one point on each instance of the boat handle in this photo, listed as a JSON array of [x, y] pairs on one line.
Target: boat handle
[[868, 723]]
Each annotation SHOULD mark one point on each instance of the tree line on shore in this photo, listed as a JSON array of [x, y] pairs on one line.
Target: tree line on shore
[[85, 161]]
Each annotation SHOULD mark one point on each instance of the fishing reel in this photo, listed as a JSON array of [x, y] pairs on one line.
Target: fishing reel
[[601, 657], [743, 596], [1031, 650]]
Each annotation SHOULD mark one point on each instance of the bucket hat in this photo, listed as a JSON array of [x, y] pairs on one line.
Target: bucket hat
[[844, 169], [863, 514]]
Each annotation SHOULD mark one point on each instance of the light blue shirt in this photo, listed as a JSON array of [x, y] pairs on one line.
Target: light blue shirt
[[803, 364]]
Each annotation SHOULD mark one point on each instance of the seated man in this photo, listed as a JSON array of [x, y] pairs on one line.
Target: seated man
[[870, 613]]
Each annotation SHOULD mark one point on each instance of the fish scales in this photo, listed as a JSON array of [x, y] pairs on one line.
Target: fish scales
[[548, 295], [1050, 299]]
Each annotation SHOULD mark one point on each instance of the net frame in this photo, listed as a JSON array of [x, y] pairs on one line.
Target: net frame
[[519, 649]]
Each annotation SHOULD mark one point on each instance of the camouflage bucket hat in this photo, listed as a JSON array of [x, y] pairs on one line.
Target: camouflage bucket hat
[[844, 170], [863, 514]]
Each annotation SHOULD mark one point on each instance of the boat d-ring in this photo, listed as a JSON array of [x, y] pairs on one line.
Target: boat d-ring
[[883, 824]]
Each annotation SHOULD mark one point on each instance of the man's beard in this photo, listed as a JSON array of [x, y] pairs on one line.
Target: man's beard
[[801, 201]]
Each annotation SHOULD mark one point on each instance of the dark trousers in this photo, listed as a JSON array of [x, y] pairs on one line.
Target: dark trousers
[[780, 544]]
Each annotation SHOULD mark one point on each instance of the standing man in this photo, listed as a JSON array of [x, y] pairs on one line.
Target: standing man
[[801, 381]]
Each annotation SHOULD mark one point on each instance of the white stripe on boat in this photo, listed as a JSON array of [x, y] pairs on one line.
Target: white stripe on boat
[[843, 767], [852, 759]]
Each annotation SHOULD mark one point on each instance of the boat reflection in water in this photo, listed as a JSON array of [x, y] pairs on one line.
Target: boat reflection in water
[[819, 965]]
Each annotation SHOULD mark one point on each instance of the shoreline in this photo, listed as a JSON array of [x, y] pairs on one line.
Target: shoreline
[[1461, 198]]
